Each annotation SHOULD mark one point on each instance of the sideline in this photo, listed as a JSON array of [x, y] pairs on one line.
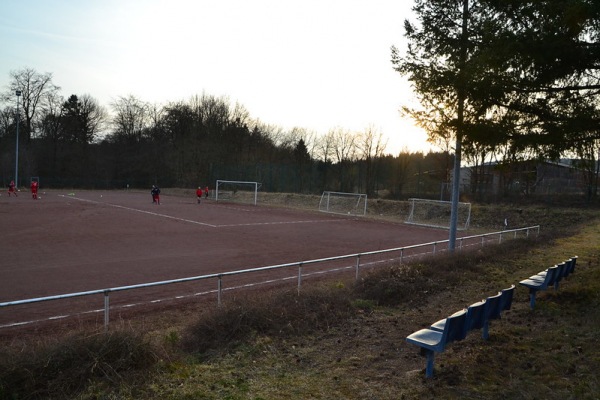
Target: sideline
[[140, 211]]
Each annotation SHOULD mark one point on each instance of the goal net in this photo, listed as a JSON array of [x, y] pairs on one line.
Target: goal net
[[343, 203], [237, 191], [436, 213]]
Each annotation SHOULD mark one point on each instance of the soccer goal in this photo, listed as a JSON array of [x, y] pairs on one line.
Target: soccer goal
[[237, 191], [436, 213], [343, 203]]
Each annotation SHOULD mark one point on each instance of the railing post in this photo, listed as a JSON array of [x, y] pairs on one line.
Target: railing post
[[299, 277], [500, 238], [106, 308], [401, 255], [460, 244], [219, 289], [357, 266], [434, 246]]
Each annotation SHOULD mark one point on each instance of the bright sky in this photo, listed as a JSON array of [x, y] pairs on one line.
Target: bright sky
[[314, 64]]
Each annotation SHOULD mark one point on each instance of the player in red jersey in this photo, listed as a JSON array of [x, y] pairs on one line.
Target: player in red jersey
[[11, 189], [34, 189]]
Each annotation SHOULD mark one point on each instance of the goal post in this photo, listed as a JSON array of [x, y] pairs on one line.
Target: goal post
[[436, 213], [237, 191], [343, 203]]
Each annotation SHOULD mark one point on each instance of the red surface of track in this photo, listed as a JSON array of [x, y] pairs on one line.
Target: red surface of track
[[77, 241]]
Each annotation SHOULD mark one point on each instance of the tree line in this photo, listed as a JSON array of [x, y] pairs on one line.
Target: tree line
[[77, 142]]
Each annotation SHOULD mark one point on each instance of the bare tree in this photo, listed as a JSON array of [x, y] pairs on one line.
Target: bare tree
[[156, 115], [83, 119], [325, 146], [35, 90], [51, 125], [276, 134], [292, 137], [371, 145], [345, 152], [345, 145], [311, 140], [132, 117], [240, 116], [212, 111]]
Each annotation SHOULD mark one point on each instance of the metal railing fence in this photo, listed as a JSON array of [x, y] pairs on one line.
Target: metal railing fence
[[405, 252]]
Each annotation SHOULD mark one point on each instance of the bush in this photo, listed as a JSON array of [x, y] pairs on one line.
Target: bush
[[59, 370], [281, 313], [395, 285]]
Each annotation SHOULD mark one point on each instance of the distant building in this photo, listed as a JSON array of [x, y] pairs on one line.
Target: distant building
[[525, 178]]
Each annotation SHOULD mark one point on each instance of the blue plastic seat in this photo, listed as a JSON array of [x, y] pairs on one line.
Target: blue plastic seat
[[535, 285], [561, 272], [567, 271], [492, 310], [432, 341], [474, 320], [507, 298], [440, 325], [571, 265]]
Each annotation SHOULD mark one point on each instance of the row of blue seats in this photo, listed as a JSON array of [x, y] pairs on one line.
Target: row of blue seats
[[478, 315], [550, 277], [458, 325]]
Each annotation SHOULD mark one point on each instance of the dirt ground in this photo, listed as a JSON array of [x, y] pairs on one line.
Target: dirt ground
[[78, 241]]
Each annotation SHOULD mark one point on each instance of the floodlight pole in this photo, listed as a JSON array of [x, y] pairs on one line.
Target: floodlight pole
[[18, 93]]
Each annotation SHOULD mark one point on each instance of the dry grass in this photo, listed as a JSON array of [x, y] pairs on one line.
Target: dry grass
[[345, 340], [58, 368], [277, 313]]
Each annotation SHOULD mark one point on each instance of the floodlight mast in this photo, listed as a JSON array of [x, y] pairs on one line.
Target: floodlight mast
[[18, 93]]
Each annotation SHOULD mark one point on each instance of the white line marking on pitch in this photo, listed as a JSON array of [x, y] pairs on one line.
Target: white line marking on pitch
[[196, 222], [279, 223], [238, 208], [142, 211]]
